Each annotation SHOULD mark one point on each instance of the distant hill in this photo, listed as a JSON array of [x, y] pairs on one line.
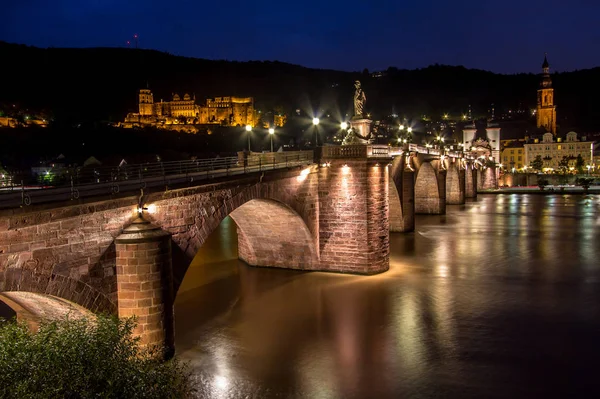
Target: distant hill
[[101, 84]]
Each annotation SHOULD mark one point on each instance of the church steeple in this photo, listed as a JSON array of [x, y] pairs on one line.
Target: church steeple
[[546, 110]]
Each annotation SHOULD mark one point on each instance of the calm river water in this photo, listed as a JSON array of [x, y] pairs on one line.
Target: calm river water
[[499, 298]]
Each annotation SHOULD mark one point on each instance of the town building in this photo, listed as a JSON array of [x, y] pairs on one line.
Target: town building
[[552, 150], [513, 156], [546, 110], [224, 111], [482, 140]]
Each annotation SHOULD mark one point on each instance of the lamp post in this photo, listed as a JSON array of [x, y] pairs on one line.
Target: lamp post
[[271, 134], [315, 122], [249, 129]]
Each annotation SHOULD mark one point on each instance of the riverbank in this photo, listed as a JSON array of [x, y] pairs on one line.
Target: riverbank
[[548, 190]]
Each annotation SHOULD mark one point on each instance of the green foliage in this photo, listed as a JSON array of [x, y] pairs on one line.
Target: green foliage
[[584, 182], [563, 165], [85, 359], [537, 163]]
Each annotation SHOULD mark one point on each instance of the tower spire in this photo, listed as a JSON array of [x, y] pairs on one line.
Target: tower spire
[[545, 65]]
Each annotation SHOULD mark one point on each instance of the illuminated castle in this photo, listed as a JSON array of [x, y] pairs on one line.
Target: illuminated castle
[[224, 111]]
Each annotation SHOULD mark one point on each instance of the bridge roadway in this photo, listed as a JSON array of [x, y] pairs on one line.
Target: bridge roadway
[[96, 182]]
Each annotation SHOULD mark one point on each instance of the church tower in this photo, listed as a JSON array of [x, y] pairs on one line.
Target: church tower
[[546, 110], [146, 102]]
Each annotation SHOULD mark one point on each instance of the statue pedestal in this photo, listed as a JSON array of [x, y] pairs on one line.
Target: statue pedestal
[[362, 127]]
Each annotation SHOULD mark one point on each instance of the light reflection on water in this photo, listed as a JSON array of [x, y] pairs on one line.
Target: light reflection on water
[[498, 298]]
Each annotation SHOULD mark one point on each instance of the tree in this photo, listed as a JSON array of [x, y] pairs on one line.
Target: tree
[[537, 163], [585, 183], [579, 163], [85, 359], [563, 165]]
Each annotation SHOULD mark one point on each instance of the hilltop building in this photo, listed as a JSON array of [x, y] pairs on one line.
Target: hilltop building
[[546, 110], [224, 111]]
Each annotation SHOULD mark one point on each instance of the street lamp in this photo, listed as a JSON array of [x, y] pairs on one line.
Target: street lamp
[[315, 124], [249, 129], [271, 134], [344, 125]]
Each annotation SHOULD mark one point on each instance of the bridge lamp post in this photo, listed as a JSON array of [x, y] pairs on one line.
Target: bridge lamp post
[[271, 134], [344, 125], [249, 130], [315, 122]]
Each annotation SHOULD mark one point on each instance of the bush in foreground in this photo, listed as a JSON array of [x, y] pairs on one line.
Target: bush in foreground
[[85, 359]]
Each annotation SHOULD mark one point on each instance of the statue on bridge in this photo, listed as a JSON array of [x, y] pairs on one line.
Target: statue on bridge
[[360, 127], [359, 100]]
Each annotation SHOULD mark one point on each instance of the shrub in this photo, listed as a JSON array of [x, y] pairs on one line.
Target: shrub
[[85, 359]]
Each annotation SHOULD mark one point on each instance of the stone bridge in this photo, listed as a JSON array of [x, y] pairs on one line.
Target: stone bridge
[[129, 255]]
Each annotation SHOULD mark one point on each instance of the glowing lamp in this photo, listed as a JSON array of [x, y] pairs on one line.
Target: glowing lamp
[[271, 131], [248, 128], [344, 125], [315, 121]]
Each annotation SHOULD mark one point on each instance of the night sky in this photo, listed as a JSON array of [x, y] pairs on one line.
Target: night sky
[[502, 36]]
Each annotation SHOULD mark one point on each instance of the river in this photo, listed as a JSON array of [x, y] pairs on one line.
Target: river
[[499, 298]]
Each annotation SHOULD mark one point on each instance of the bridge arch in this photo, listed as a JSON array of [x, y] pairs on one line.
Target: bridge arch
[[270, 233], [272, 217], [32, 308]]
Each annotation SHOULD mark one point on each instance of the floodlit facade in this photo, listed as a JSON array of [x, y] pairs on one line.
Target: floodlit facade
[[553, 149]]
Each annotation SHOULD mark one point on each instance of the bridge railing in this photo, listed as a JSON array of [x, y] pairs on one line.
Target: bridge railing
[[75, 183]]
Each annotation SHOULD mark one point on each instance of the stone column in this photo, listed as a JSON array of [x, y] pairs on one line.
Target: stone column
[[145, 282], [470, 182]]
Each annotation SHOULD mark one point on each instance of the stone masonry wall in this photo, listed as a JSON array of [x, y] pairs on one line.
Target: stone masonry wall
[[455, 185], [67, 252], [343, 218], [378, 227]]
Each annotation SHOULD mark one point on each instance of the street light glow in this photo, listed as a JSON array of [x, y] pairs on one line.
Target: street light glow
[[409, 130], [401, 127], [271, 131], [248, 128], [315, 121], [344, 125]]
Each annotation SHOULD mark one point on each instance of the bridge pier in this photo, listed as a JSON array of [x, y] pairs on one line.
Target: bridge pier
[[487, 179], [470, 182], [145, 282], [455, 185], [354, 227], [430, 190]]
